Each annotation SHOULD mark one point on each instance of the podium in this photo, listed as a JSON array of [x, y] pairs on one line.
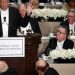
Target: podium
[[26, 65]]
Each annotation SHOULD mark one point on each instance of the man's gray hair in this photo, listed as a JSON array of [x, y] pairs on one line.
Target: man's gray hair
[[72, 10]]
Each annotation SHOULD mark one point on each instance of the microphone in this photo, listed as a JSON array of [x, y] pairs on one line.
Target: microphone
[[4, 19]]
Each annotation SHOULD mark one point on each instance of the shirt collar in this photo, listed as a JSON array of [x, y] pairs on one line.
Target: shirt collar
[[72, 23], [60, 42], [4, 10]]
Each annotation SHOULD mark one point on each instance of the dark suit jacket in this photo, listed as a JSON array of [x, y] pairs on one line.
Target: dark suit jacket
[[13, 22], [10, 71], [68, 44], [33, 22], [51, 71]]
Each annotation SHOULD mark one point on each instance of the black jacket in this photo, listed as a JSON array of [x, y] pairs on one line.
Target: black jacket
[[33, 22], [51, 71], [13, 22], [68, 44], [10, 71]]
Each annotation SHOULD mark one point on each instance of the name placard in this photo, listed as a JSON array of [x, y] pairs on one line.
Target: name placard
[[12, 47]]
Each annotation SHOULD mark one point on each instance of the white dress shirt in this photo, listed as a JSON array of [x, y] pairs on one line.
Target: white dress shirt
[[28, 27], [72, 28], [59, 45], [5, 23]]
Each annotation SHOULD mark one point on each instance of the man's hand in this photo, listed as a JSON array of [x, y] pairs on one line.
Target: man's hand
[[29, 8]]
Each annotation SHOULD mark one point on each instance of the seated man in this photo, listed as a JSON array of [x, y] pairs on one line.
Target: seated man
[[60, 41], [27, 21], [5, 70], [42, 68], [70, 22]]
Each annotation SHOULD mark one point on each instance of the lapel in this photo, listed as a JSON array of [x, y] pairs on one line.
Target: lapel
[[55, 43], [0, 21], [67, 23], [1, 32], [65, 44], [9, 16]]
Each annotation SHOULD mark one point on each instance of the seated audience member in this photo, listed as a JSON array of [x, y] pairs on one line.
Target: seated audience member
[[70, 22], [5, 70], [9, 17], [26, 20], [42, 68], [60, 41], [69, 4]]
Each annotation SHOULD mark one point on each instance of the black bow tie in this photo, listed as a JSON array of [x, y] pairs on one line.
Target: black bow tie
[[4, 19]]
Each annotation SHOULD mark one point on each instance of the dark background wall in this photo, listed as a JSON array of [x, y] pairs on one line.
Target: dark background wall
[[13, 0], [24, 1], [41, 1]]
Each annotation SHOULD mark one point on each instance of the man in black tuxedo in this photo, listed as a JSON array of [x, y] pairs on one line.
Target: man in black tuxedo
[[60, 41], [27, 21], [8, 19], [70, 22]]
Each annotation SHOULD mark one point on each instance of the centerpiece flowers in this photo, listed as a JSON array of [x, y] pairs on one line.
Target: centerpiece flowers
[[47, 13], [63, 54]]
